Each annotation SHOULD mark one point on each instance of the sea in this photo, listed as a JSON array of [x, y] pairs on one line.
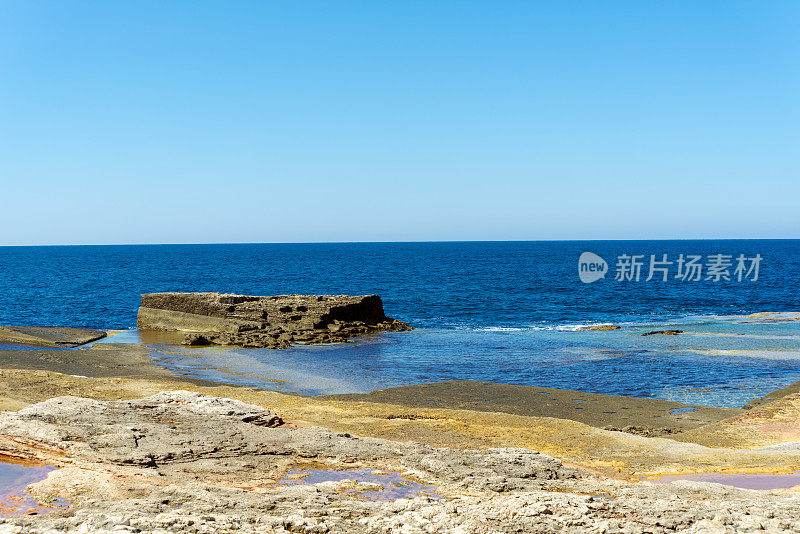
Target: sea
[[505, 312]]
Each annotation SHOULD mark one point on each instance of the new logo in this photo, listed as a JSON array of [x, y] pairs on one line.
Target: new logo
[[591, 267]]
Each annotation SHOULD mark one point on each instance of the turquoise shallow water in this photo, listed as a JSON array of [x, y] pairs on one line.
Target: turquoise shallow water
[[721, 362], [501, 312]]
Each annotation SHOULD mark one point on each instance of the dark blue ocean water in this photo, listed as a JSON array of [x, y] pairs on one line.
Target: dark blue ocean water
[[496, 311]]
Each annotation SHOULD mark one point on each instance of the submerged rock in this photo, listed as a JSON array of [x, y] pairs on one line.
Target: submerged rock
[[663, 332], [271, 322], [600, 327]]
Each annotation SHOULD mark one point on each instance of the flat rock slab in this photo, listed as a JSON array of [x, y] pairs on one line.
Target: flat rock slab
[[103, 360], [49, 336], [647, 417], [265, 321]]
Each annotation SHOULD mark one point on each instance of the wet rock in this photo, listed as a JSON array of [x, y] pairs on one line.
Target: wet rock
[[56, 336], [663, 332], [602, 327], [195, 339]]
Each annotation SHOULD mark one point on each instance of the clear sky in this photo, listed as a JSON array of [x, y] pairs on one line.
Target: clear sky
[[237, 121]]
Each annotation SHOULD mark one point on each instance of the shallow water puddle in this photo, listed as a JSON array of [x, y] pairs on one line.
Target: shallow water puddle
[[14, 480], [392, 485], [758, 481]]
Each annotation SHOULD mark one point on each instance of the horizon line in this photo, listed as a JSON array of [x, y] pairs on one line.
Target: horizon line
[[403, 242]]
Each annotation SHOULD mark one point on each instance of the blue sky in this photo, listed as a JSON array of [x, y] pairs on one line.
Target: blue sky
[[198, 121]]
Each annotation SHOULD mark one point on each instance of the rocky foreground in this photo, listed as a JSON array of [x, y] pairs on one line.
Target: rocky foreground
[[265, 322], [185, 462]]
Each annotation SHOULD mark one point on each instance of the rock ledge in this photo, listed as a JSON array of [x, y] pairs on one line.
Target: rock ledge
[[49, 336], [270, 322]]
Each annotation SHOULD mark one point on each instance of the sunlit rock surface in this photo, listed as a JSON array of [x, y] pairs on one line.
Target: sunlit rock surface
[[271, 322], [179, 461]]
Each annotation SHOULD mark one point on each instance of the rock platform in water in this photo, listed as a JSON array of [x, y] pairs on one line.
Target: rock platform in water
[[265, 321], [600, 327], [45, 336], [663, 333]]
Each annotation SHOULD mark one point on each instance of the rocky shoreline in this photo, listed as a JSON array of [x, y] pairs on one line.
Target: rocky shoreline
[[181, 461], [137, 448], [265, 322]]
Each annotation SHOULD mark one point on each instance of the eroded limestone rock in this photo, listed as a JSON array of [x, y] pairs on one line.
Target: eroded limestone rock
[[271, 322], [181, 461]]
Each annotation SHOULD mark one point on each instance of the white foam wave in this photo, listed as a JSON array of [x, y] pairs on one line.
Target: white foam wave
[[751, 353], [540, 327], [501, 329]]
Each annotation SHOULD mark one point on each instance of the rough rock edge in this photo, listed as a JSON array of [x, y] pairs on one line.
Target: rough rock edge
[[265, 322]]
